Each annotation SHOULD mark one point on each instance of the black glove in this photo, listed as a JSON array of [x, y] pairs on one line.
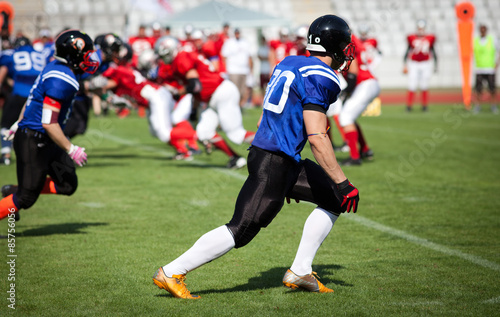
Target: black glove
[[350, 196]]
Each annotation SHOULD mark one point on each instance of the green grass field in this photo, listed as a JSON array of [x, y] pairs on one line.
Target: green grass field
[[425, 240]]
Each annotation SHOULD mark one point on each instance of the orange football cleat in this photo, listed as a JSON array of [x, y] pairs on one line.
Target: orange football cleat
[[308, 282], [174, 285]]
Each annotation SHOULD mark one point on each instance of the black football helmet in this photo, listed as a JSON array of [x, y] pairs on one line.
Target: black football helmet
[[331, 35], [21, 41], [110, 44], [76, 49], [124, 54]]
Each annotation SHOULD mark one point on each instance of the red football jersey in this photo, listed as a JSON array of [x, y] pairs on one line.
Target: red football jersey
[[420, 46], [210, 79], [281, 49], [361, 57], [166, 76], [371, 49], [130, 83]]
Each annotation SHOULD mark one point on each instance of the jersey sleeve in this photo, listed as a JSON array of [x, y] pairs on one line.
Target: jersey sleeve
[[184, 62], [321, 87], [59, 87]]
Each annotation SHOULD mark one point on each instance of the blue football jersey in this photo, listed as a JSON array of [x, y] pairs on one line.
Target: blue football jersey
[[25, 64], [296, 82], [56, 81]]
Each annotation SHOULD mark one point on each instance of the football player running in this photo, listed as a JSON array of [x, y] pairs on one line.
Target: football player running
[[40, 144], [25, 64], [299, 93], [362, 88], [419, 66], [220, 97], [125, 81]]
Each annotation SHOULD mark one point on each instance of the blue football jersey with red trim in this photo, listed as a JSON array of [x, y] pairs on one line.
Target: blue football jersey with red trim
[[24, 64], [56, 81], [296, 82]]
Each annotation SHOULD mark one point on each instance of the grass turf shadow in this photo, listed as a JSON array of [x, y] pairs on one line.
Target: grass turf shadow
[[62, 228]]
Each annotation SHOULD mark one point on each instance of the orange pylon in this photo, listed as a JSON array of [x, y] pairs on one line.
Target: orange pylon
[[465, 26]]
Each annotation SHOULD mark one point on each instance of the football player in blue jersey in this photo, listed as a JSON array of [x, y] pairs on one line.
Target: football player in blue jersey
[[25, 64], [41, 147], [296, 100]]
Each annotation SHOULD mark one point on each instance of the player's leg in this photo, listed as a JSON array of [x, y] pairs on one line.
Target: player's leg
[[260, 199], [62, 172], [492, 91], [224, 101], [32, 163], [361, 97], [478, 88], [315, 186], [412, 84], [425, 77]]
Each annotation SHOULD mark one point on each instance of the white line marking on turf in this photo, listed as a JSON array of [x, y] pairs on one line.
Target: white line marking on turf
[[123, 141], [92, 204], [495, 300], [359, 219], [416, 303], [423, 242]]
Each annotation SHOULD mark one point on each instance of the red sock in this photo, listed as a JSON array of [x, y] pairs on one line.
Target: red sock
[[425, 98], [361, 139], [352, 141], [219, 143], [49, 187], [337, 123], [7, 206], [249, 137], [409, 98]]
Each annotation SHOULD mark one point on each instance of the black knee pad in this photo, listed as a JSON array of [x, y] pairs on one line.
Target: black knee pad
[[243, 234], [68, 187]]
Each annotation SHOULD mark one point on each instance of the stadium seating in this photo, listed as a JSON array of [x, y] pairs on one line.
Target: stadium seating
[[391, 21]]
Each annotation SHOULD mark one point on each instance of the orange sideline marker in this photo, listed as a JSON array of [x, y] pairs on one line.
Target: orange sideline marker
[[465, 26]]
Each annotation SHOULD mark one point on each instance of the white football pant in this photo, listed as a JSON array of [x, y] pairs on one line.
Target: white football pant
[[419, 75], [361, 97], [224, 109]]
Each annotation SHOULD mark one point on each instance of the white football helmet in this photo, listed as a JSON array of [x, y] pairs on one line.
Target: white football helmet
[[167, 48], [146, 60]]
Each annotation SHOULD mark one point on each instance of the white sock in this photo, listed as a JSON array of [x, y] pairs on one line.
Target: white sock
[[209, 246], [316, 229]]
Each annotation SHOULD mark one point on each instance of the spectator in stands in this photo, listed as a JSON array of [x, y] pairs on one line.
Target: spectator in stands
[[486, 64], [417, 64], [238, 60]]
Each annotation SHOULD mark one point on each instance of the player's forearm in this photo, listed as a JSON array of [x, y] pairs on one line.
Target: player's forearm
[[57, 135], [322, 150]]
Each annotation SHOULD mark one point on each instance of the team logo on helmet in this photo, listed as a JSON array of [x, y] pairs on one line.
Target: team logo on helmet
[[78, 44]]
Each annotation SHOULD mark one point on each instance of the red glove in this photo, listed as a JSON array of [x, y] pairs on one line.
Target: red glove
[[349, 195]]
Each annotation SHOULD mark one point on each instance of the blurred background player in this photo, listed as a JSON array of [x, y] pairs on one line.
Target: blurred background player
[[362, 88], [280, 48], [418, 65], [41, 147], [125, 81], [140, 43], [25, 64], [239, 64], [486, 64], [220, 98], [372, 51]]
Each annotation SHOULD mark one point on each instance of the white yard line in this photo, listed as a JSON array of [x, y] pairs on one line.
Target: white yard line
[[356, 218]]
